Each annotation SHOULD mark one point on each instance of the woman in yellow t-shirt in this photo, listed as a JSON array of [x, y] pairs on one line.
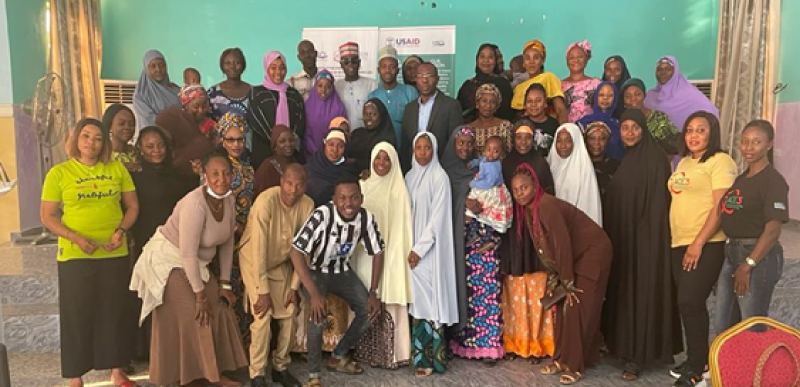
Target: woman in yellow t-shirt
[[533, 56], [698, 244], [93, 265]]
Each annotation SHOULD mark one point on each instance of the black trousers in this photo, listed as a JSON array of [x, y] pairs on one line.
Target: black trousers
[[694, 287], [94, 306]]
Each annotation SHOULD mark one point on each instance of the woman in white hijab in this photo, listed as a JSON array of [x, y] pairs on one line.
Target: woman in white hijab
[[573, 172], [433, 279], [386, 197], [154, 92]]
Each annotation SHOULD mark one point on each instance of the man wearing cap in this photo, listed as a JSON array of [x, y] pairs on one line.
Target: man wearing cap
[[303, 80], [394, 95], [353, 90]]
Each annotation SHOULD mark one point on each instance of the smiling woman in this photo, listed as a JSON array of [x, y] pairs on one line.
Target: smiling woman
[[92, 252]]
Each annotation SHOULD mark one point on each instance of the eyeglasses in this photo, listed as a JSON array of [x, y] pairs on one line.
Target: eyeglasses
[[348, 61], [233, 140]]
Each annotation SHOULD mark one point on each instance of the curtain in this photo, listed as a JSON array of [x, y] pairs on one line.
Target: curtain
[[75, 55], [747, 65]]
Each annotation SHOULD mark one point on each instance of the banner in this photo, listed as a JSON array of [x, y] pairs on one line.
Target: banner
[[435, 44]]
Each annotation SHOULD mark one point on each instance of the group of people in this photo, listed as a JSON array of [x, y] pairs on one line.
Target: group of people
[[390, 224]]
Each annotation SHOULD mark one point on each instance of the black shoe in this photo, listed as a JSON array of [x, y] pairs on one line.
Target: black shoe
[[259, 381], [690, 379], [678, 371], [284, 378]]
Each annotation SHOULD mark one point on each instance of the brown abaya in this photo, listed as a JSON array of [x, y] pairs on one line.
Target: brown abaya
[[574, 248]]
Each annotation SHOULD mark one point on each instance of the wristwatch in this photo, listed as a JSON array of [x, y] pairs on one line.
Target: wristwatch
[[751, 262], [373, 292]]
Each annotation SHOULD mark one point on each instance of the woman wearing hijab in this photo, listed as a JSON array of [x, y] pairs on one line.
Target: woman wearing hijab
[[577, 255], [273, 103], [597, 135], [527, 327], [488, 99], [154, 92], [573, 172], [579, 88], [387, 343], [486, 71], [191, 130], [606, 99], [641, 323], [658, 123], [459, 152], [675, 95], [322, 106], [377, 128], [534, 55], [284, 152], [480, 336], [615, 70], [433, 281], [410, 69]]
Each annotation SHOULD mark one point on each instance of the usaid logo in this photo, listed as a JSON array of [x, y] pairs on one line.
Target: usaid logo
[[403, 42]]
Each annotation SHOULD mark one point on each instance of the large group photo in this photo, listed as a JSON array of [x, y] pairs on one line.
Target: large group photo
[[391, 206]]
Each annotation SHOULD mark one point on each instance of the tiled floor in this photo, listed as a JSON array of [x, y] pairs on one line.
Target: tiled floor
[[44, 369]]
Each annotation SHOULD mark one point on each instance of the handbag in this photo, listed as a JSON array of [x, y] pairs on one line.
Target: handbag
[[555, 297]]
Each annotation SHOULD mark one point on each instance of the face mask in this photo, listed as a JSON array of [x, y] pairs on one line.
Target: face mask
[[211, 193]]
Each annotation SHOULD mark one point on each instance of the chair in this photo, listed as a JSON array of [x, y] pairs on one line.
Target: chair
[[742, 357]]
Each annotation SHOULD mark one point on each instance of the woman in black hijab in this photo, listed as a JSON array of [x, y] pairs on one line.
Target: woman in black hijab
[[487, 70], [377, 128], [615, 70], [459, 152], [640, 319]]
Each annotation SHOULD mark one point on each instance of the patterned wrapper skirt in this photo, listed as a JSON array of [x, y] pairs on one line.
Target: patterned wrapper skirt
[[528, 329], [428, 347], [482, 336]]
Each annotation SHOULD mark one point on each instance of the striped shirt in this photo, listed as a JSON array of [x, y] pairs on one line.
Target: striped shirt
[[330, 241]]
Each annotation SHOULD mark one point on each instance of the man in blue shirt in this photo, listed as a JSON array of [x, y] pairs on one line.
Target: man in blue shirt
[[394, 95]]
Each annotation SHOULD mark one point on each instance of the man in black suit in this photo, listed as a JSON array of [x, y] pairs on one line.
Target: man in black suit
[[433, 112]]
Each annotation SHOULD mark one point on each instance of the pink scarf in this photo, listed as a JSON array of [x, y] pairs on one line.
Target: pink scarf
[[282, 115]]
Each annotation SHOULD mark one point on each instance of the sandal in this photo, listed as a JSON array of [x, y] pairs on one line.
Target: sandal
[[534, 360], [569, 378], [509, 357], [423, 372], [630, 372], [346, 366], [553, 368], [313, 382]]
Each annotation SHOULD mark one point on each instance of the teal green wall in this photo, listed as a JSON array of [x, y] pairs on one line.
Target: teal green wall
[[194, 32], [27, 44], [789, 52]]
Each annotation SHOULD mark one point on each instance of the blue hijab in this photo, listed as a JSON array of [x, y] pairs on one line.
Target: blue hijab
[[614, 147]]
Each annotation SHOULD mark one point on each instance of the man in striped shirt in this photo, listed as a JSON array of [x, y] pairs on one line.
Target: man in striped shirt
[[321, 256]]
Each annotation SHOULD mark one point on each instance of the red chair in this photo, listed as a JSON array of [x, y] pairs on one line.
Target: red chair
[[740, 357]]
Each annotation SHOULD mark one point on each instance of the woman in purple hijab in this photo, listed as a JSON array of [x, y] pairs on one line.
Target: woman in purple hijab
[[322, 106], [675, 95]]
